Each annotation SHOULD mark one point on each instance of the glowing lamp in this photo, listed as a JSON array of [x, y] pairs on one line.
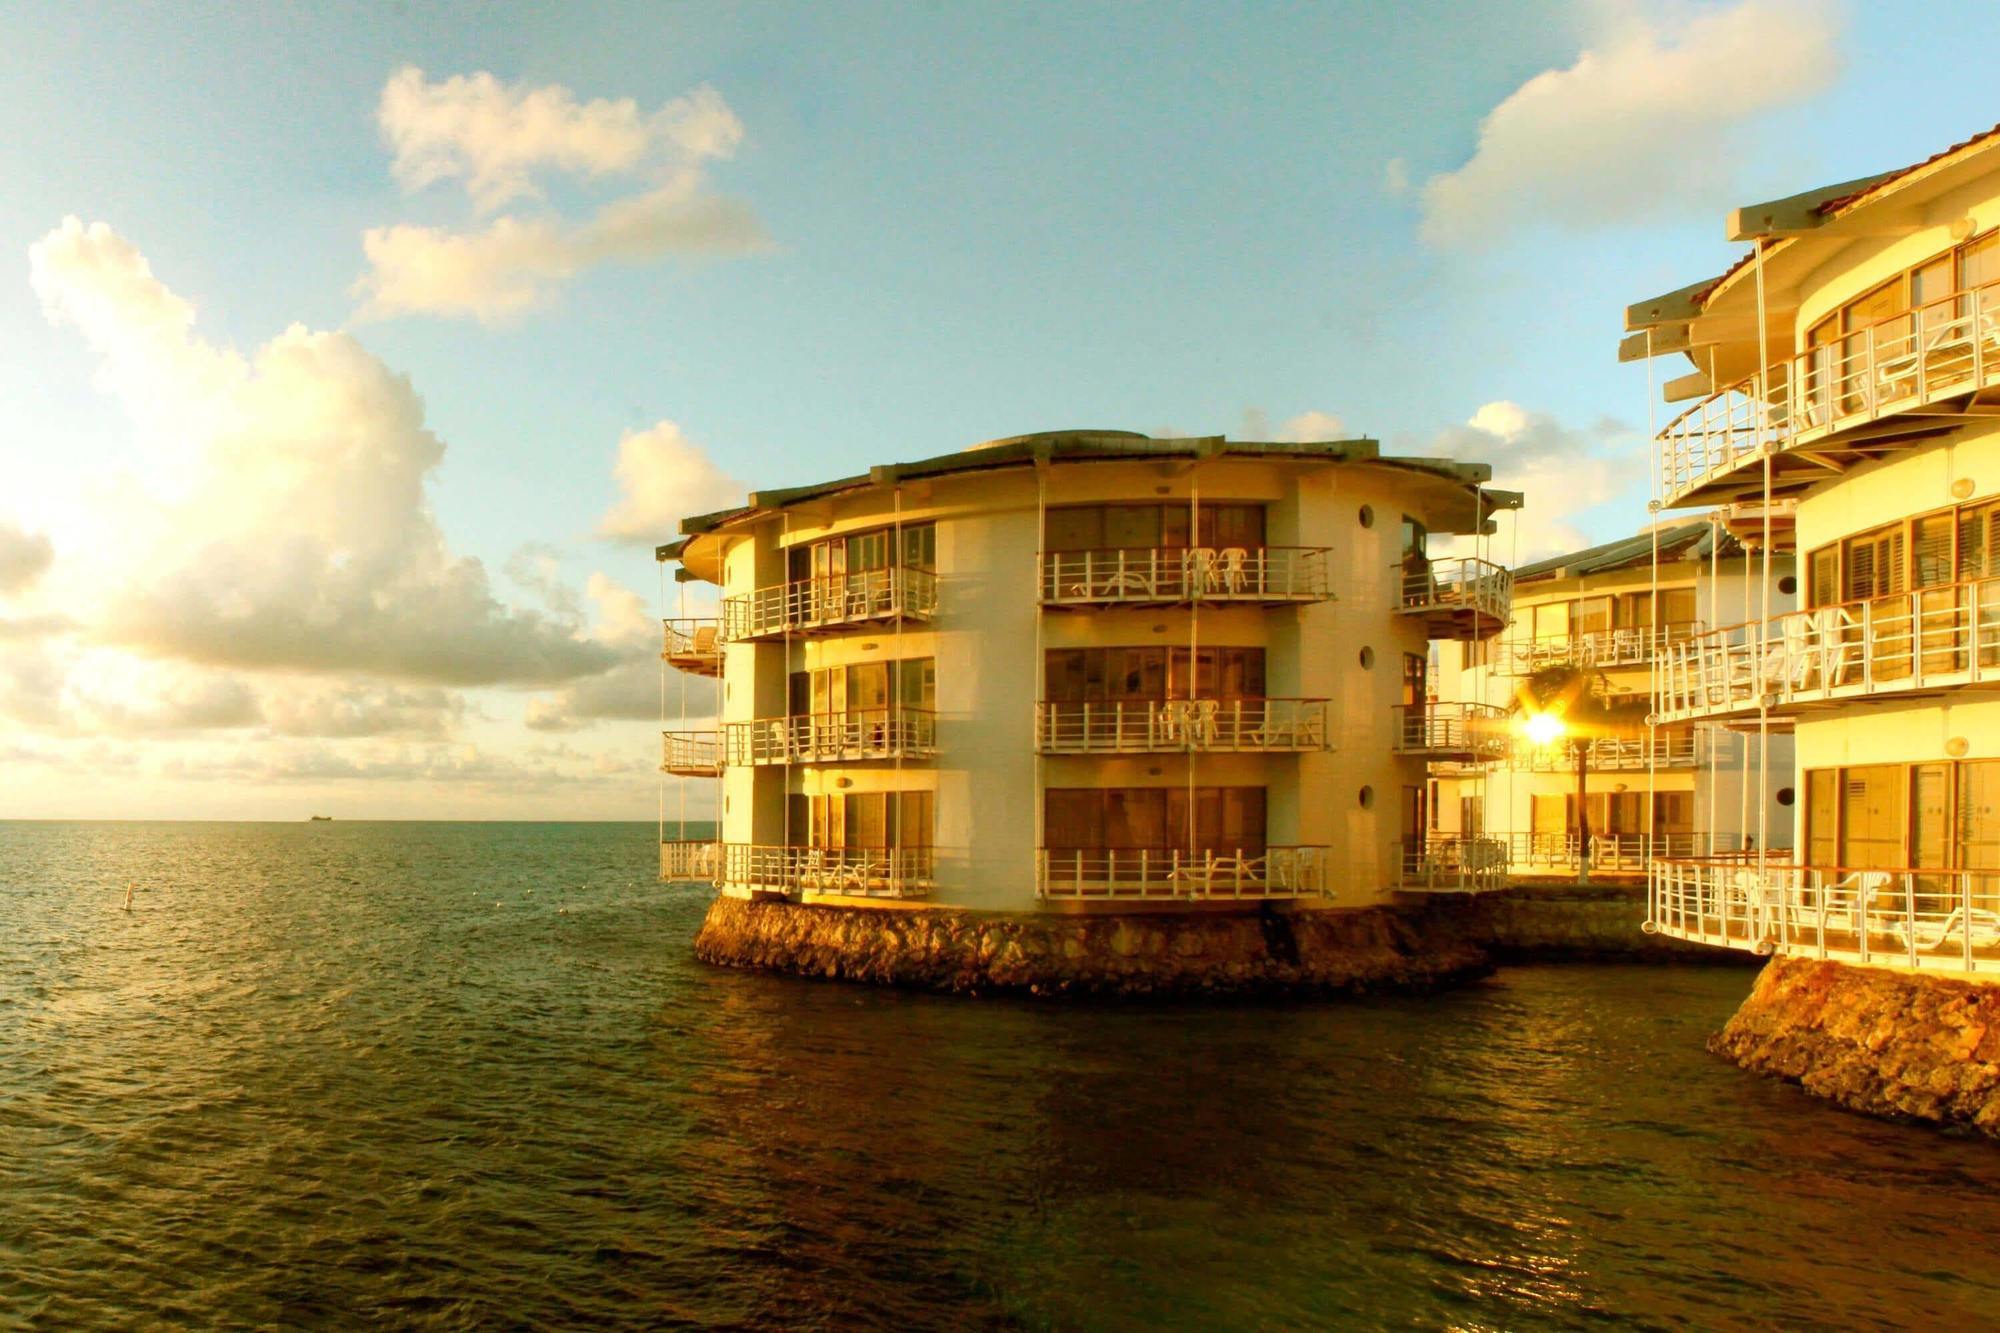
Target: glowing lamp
[[1544, 728]]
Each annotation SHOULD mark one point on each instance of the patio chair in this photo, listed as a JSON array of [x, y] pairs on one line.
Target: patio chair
[[1982, 926], [1232, 566]]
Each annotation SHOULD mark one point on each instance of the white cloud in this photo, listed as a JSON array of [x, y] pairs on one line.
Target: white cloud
[[629, 691], [1312, 426], [664, 477], [1561, 470], [1643, 120], [300, 538], [24, 557], [496, 137]]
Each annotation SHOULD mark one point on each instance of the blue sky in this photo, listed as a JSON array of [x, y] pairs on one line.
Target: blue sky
[[957, 222]]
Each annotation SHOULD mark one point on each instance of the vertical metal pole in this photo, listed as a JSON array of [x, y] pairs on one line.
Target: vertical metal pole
[[1764, 615]]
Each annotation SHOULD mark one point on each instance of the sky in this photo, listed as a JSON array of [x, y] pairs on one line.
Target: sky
[[354, 358]]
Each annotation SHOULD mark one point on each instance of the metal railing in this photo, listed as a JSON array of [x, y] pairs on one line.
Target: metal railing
[[1137, 726], [1451, 863], [1469, 732], [1946, 920], [1943, 349], [693, 644], [1477, 590], [822, 738], [1175, 873], [1612, 754], [869, 872], [1631, 646], [1170, 574], [691, 754], [816, 605], [691, 862], [1928, 639], [1621, 853]]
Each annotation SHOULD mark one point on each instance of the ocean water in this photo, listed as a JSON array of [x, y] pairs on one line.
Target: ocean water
[[458, 1075]]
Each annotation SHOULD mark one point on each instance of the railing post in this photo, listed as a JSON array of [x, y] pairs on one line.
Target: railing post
[[1910, 916], [1965, 916]]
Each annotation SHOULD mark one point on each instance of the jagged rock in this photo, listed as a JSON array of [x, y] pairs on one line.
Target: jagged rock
[[951, 950], [1888, 1043]]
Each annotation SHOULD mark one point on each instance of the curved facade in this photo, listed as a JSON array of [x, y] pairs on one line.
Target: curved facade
[[1081, 671], [1871, 449]]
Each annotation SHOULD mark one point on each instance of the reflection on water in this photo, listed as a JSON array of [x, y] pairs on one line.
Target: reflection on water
[[461, 1074]]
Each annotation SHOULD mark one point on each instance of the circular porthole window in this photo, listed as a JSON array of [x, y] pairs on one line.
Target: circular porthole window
[[1367, 798], [1367, 516], [1788, 585], [1786, 796], [1367, 659]]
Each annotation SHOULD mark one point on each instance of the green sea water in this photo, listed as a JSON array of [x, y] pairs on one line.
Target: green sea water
[[469, 1075]]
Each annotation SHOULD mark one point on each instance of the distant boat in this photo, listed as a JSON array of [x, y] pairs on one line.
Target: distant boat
[[320, 819]]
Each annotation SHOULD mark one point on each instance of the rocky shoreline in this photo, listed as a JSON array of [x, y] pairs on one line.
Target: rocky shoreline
[[1887, 1043], [1129, 954]]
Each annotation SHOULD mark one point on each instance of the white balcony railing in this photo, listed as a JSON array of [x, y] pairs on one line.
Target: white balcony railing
[[868, 872], [1169, 873], [1464, 732], [1613, 754], [1943, 350], [1460, 598], [1139, 726], [1169, 574], [812, 606], [691, 862], [826, 738], [1944, 920], [691, 754], [1931, 639], [1443, 863], [1595, 650], [693, 644], [1615, 853]]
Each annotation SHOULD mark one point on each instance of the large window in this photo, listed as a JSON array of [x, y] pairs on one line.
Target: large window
[[865, 686], [860, 552], [1606, 611], [872, 820], [1152, 526], [1956, 545], [1224, 819], [1093, 675], [1888, 816]]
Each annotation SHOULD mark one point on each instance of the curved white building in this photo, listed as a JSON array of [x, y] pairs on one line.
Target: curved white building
[[1082, 671], [1846, 389]]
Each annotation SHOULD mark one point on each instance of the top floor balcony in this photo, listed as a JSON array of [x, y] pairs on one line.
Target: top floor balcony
[[1591, 650], [831, 603], [693, 644], [1169, 575], [1869, 391], [1460, 598], [1931, 639]]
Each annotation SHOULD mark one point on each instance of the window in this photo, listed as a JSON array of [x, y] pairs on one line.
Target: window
[[1889, 816], [875, 820], [859, 552], [865, 686], [1090, 675], [1226, 819], [1152, 526]]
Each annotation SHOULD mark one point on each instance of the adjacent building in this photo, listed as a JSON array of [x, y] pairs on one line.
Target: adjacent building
[[1845, 388], [1609, 615], [1083, 671]]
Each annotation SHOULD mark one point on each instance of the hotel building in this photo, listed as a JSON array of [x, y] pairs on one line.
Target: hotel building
[[1846, 388], [1082, 670], [1609, 614]]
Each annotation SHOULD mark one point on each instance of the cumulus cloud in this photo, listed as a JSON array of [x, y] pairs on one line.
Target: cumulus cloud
[[1561, 470], [629, 691], [301, 538], [24, 557], [496, 138], [662, 478], [1645, 118]]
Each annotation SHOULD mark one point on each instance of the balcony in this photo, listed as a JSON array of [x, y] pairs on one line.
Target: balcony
[[1610, 853], [693, 644], [688, 862], [1459, 599], [1821, 412], [1613, 754], [1169, 874], [1448, 864], [1166, 576], [866, 872], [830, 738], [1932, 920], [691, 754], [1597, 650], [828, 605], [1454, 733], [1911, 643], [1152, 726]]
